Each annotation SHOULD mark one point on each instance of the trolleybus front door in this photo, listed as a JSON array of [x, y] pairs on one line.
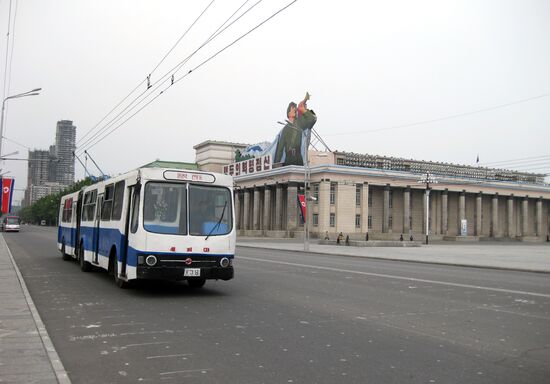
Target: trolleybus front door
[[96, 228]]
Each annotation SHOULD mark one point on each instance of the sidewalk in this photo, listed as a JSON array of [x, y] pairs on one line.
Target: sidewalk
[[27, 354], [516, 257]]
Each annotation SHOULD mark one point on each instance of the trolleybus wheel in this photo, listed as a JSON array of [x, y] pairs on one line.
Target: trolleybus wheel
[[196, 283], [64, 254], [85, 266], [118, 281]]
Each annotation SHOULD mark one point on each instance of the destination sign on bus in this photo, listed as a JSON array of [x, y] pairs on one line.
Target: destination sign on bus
[[189, 176]]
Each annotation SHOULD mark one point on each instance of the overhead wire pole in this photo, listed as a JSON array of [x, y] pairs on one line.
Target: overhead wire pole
[[83, 166], [93, 161], [427, 179]]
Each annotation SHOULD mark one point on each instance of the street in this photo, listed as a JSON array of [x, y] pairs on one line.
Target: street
[[291, 317]]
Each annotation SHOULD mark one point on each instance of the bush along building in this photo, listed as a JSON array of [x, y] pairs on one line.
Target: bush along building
[[383, 196]]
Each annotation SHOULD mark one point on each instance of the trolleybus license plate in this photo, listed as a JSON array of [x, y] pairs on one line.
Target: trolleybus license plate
[[192, 272]]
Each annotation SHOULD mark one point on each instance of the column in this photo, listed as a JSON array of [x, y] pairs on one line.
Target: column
[[461, 210], [406, 210], [510, 218], [386, 209], [445, 211], [365, 208], [324, 207], [278, 207], [246, 210], [238, 220], [494, 216], [525, 216], [477, 229], [267, 209], [538, 221], [256, 209], [292, 207]]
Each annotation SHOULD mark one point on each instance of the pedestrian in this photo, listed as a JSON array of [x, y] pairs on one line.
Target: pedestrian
[[326, 236], [340, 238], [401, 237], [347, 240], [367, 237]]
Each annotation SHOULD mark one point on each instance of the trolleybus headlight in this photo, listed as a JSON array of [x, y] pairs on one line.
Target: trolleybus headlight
[[224, 262], [151, 260]]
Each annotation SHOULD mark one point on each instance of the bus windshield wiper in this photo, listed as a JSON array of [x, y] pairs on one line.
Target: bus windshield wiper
[[219, 221]]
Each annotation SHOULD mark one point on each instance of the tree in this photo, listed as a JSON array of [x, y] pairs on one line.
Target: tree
[[47, 208]]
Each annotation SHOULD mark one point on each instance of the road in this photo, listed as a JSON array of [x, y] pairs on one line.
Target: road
[[293, 318]]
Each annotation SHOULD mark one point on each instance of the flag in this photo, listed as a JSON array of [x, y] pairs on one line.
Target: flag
[[7, 194], [302, 205], [477, 160]]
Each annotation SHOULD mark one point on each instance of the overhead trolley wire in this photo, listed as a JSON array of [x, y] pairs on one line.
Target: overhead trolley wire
[[148, 77], [163, 79], [194, 69], [442, 118], [130, 107]]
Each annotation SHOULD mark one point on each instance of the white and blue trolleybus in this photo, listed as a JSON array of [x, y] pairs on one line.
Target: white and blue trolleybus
[[152, 223]]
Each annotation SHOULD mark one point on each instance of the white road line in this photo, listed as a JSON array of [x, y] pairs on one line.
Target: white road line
[[160, 357], [186, 371], [399, 277]]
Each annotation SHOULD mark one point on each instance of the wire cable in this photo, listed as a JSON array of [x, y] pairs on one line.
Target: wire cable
[[194, 69], [443, 118], [520, 160], [130, 107], [143, 81]]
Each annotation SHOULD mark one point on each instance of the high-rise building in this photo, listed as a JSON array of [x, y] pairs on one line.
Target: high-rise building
[[51, 170], [65, 138]]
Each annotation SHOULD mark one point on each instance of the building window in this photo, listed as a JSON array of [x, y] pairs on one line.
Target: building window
[[357, 221], [370, 199], [332, 220], [369, 222], [391, 200], [316, 193], [390, 222], [315, 219], [332, 193], [357, 195]]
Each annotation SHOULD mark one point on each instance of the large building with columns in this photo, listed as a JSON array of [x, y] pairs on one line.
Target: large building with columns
[[384, 197]]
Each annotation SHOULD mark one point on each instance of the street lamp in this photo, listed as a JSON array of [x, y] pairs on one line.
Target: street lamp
[[33, 92], [427, 179]]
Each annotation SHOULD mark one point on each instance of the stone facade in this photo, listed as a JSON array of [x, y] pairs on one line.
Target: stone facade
[[389, 204]]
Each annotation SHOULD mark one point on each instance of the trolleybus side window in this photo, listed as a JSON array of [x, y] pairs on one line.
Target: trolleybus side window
[[118, 200], [107, 203], [209, 210], [67, 210], [165, 208], [89, 205]]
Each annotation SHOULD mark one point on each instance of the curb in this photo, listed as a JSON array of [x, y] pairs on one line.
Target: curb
[[57, 366], [434, 262]]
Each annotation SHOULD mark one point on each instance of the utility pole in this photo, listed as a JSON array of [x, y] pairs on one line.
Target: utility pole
[[427, 179]]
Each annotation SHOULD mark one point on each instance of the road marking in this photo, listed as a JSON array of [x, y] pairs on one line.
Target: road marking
[[399, 277], [161, 357], [186, 371]]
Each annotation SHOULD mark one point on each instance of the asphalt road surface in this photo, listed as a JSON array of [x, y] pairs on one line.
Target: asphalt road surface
[[293, 318]]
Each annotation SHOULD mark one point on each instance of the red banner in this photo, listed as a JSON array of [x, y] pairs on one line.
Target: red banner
[[302, 204], [7, 192]]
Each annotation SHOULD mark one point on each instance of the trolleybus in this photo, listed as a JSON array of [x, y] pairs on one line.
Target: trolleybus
[[152, 223]]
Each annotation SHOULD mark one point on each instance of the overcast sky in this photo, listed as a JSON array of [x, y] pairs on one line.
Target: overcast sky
[[369, 65]]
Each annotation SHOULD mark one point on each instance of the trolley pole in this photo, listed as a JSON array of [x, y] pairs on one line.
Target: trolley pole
[[427, 179]]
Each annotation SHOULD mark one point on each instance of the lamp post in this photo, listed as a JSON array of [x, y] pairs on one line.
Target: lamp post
[[33, 92], [427, 179]]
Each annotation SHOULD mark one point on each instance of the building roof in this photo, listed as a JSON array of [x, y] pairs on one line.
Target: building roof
[[171, 164], [436, 168], [214, 142]]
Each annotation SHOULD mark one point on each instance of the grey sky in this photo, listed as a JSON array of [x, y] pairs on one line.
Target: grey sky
[[368, 65]]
